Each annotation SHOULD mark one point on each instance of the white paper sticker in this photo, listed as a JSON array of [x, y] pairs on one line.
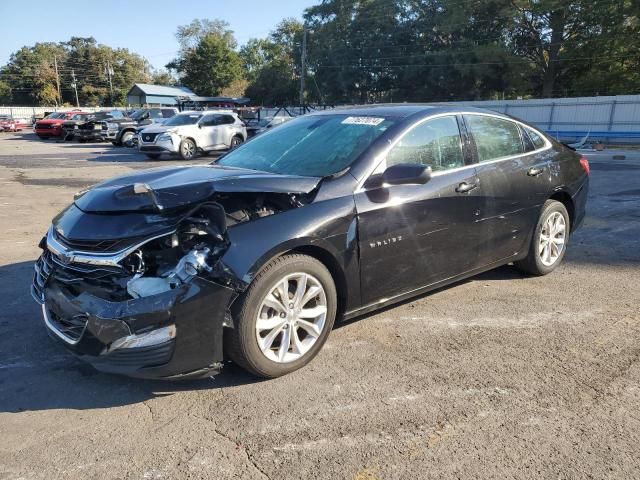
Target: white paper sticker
[[373, 121]]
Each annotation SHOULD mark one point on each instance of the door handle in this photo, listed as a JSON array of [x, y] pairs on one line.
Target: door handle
[[465, 187], [535, 171]]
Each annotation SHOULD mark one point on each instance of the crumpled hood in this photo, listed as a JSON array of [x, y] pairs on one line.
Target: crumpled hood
[[174, 187]]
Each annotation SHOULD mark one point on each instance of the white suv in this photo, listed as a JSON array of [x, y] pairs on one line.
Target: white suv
[[191, 132]]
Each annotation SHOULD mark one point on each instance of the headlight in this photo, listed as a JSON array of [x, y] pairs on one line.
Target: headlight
[[165, 137], [112, 126]]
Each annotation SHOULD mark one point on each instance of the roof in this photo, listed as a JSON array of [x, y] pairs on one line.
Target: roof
[[235, 100], [401, 110], [161, 90]]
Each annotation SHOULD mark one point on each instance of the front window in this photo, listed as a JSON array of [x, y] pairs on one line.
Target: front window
[[181, 120], [435, 143], [314, 145], [55, 115]]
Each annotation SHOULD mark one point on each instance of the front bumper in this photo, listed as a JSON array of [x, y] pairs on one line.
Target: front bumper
[[90, 327], [49, 132], [87, 134], [160, 145]]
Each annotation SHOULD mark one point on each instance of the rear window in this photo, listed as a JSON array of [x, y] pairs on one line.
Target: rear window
[[494, 137]]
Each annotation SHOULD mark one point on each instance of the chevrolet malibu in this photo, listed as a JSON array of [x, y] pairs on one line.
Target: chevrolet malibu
[[171, 272]]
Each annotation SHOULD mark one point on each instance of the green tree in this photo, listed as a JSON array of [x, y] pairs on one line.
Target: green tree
[[207, 62], [272, 65]]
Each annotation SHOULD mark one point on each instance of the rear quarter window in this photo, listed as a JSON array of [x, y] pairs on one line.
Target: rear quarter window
[[536, 139]]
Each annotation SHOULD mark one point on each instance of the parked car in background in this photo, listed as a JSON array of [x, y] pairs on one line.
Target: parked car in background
[[257, 126], [12, 124], [169, 272], [51, 125], [71, 125], [95, 128], [191, 132], [122, 131]]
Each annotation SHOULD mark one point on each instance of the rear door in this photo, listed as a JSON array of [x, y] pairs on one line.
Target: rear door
[[411, 236], [511, 180]]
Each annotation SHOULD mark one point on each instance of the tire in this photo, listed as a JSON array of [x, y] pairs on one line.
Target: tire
[[235, 141], [241, 342], [125, 139], [153, 156], [82, 140], [187, 149], [545, 256]]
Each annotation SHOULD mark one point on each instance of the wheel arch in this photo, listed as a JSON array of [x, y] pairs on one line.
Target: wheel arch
[[564, 198], [337, 273]]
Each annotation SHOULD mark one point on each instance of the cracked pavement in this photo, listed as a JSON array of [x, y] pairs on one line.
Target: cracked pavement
[[500, 376]]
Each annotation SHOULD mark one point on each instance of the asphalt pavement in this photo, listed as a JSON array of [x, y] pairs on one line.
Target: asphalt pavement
[[499, 376]]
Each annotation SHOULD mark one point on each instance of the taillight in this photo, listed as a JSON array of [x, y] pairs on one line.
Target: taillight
[[585, 165]]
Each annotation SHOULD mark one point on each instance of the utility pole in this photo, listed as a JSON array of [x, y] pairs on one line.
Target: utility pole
[[55, 62], [74, 84], [109, 72], [303, 68]]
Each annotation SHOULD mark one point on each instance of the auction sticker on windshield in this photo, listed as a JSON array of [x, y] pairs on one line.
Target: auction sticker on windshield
[[373, 121]]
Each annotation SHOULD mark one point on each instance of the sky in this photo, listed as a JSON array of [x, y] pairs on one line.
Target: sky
[[146, 27]]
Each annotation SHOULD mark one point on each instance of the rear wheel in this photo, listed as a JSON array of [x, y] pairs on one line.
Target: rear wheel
[[153, 156], [187, 149], [549, 242], [284, 318]]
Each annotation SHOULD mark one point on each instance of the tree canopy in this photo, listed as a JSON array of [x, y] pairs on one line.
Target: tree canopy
[[366, 51]]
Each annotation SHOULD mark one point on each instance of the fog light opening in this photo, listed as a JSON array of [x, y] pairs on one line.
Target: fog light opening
[[148, 339]]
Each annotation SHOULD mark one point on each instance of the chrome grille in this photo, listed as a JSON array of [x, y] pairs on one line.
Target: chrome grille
[[72, 328]]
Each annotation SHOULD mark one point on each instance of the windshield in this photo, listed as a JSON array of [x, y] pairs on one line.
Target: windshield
[[315, 146], [56, 115], [138, 114], [186, 119]]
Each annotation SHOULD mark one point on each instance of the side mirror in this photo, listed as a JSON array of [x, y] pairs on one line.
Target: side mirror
[[406, 174]]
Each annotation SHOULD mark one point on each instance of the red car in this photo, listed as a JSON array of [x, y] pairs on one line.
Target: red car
[[10, 124], [51, 125]]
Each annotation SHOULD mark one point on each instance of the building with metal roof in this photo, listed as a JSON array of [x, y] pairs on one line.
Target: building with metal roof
[[159, 95], [156, 95]]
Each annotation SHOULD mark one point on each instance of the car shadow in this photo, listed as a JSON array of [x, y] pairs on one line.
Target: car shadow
[[37, 373]]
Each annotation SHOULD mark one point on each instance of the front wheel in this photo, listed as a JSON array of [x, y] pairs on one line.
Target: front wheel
[[549, 242], [284, 318], [235, 141], [127, 139], [187, 149]]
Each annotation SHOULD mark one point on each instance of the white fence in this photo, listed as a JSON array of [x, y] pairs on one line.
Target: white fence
[[569, 118], [27, 113], [613, 118]]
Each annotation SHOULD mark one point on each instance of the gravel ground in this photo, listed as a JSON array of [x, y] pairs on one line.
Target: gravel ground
[[501, 376]]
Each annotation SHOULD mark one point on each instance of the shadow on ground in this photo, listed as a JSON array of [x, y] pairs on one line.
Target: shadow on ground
[[37, 373]]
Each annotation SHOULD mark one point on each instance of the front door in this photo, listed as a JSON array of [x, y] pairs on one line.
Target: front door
[[411, 236]]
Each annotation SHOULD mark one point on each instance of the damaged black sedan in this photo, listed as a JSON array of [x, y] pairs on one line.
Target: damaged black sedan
[[171, 272]]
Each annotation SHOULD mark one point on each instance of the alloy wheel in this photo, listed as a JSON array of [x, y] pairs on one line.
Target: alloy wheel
[[291, 317], [552, 239], [188, 149]]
